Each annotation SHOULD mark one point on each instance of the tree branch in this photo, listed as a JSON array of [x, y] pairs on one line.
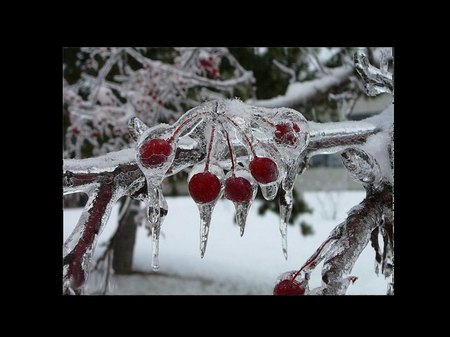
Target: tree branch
[[109, 177]]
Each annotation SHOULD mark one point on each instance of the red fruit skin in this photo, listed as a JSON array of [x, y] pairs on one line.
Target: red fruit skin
[[238, 189], [288, 287], [154, 152], [286, 134], [204, 187], [264, 170]]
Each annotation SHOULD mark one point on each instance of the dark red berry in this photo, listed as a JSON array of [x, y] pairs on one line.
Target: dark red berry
[[238, 189], [288, 287], [204, 187], [94, 133], [286, 134], [76, 131], [154, 152], [264, 170]]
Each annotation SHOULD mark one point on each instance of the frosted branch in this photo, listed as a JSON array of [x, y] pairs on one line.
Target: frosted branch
[[376, 81], [246, 76]]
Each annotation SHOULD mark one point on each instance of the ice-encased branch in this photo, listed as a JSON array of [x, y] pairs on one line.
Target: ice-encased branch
[[376, 81], [300, 93], [353, 236], [109, 177], [366, 220]]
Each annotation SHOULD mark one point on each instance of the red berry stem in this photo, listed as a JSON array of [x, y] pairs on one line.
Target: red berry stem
[[238, 128], [210, 145], [181, 127], [178, 130], [265, 120], [231, 152], [312, 260]]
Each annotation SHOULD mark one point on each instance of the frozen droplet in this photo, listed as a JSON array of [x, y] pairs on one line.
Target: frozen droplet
[[205, 221], [269, 191]]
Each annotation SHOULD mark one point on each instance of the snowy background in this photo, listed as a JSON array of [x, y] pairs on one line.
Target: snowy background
[[232, 265]]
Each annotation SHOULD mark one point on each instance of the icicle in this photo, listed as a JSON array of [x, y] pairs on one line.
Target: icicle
[[155, 247], [241, 214], [153, 205], [205, 221], [285, 213], [156, 229]]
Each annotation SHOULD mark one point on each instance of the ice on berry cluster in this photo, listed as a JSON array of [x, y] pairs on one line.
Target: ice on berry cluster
[[238, 148]]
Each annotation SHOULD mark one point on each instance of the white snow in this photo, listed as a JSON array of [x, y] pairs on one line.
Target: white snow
[[233, 265], [383, 120], [107, 161], [377, 144], [300, 92]]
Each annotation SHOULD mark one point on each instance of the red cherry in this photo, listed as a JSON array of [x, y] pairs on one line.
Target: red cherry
[[238, 189], [264, 170], [288, 287], [286, 134], [154, 152], [204, 187]]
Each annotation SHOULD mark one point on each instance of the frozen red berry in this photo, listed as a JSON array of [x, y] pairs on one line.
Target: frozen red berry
[[264, 170], [286, 133], [154, 152], [238, 189], [76, 131], [288, 287], [204, 187]]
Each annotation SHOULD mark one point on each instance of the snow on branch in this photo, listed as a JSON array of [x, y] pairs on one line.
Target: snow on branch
[[300, 93]]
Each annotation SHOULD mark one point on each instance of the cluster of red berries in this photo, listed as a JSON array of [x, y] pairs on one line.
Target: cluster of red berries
[[210, 68], [205, 187]]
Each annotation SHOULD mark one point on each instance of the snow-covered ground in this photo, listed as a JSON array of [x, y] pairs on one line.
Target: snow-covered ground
[[233, 264]]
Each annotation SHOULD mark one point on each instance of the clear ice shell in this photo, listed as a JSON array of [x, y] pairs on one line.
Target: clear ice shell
[[242, 208], [269, 191], [206, 210], [155, 201]]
